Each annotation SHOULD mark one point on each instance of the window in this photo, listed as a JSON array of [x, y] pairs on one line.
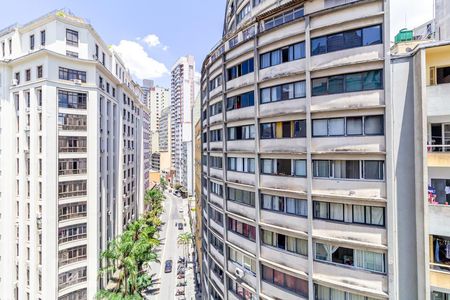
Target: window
[[348, 39], [364, 81], [348, 126], [243, 13], [246, 132], [72, 100], [284, 18], [326, 293], [240, 291], [32, 42], [284, 242], [443, 75], [241, 164], [215, 109], [242, 260], [216, 243], [216, 188], [3, 49], [286, 129], [39, 72], [282, 204], [43, 38], [241, 101], [10, 46], [244, 229], [27, 75], [349, 169], [278, 278], [69, 74], [284, 167], [215, 215], [215, 135], [215, 83], [283, 55], [241, 196], [283, 92], [215, 162], [72, 37], [369, 215], [241, 69], [328, 211]]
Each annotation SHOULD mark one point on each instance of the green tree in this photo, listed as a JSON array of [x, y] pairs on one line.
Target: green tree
[[163, 184], [185, 239]]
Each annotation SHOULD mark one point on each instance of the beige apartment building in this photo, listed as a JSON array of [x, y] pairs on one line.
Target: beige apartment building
[[303, 149]]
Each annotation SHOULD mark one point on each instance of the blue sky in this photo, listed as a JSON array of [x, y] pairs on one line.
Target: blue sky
[[173, 27], [154, 33]]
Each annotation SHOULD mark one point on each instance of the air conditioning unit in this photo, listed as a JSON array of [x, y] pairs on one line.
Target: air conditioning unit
[[14, 82], [76, 81], [239, 273]]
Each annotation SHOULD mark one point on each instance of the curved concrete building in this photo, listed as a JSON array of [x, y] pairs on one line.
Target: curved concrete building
[[300, 154]]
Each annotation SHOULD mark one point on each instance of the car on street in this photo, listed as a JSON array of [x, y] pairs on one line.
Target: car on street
[[180, 226], [168, 266]]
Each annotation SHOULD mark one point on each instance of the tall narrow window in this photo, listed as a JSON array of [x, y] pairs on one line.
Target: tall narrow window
[[32, 42], [43, 38]]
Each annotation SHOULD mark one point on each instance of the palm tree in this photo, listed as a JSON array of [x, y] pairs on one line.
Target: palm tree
[[163, 184], [185, 239]]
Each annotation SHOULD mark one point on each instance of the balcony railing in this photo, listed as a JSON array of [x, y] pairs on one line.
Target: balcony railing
[[72, 194], [438, 148], [72, 216], [72, 149], [440, 267], [73, 127], [72, 171], [71, 260], [66, 239]]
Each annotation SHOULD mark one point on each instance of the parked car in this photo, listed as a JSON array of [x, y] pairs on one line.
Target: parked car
[[180, 226], [168, 266]]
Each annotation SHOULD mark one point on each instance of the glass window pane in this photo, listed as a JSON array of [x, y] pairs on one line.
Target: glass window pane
[[300, 128], [372, 80], [267, 166], [300, 89], [321, 252], [300, 168], [265, 60], [337, 211], [373, 125], [358, 214], [267, 203], [335, 42], [267, 131], [276, 93], [353, 82], [353, 38], [320, 127], [319, 45], [319, 86], [287, 91], [377, 216], [336, 127], [275, 58], [372, 35], [321, 168], [265, 95], [299, 51], [336, 84], [354, 126], [373, 169]]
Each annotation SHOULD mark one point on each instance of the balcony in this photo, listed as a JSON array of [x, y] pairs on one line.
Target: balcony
[[437, 101], [284, 220], [241, 209], [217, 280], [244, 113], [349, 188], [285, 258], [349, 144], [345, 275], [216, 226], [289, 29], [241, 177], [217, 255], [375, 235], [241, 146], [348, 57], [439, 279], [241, 81], [285, 145], [241, 242], [217, 200], [216, 146], [283, 70], [216, 173], [275, 292], [215, 92], [347, 101], [439, 219], [248, 278], [283, 182], [438, 155], [280, 108], [216, 119]]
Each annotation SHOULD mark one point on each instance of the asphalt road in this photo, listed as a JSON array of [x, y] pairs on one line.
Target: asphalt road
[[165, 285]]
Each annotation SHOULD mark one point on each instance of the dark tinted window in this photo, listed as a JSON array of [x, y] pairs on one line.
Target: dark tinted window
[[372, 35], [319, 45]]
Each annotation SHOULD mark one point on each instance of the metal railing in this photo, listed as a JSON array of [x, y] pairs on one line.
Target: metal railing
[[438, 148]]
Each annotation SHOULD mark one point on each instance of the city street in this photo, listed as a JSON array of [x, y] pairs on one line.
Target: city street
[[175, 211]]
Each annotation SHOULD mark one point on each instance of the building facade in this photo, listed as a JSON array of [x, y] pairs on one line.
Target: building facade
[[300, 191], [183, 87], [67, 102]]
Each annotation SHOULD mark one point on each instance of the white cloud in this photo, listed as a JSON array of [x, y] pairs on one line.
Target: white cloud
[[152, 40], [165, 48], [138, 62]]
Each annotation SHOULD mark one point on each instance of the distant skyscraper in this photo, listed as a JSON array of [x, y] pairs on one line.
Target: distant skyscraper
[[71, 162], [183, 86]]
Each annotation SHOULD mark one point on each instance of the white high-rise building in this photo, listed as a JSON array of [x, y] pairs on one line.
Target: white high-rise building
[[183, 86], [71, 162]]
